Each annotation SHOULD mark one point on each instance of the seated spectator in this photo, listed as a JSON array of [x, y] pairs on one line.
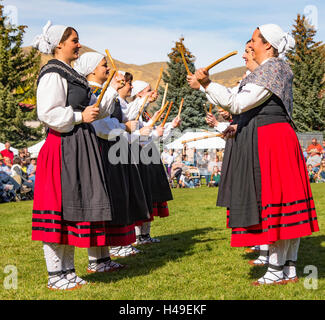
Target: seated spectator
[[176, 171], [7, 152], [186, 180], [31, 169], [320, 176], [215, 177], [24, 165], [311, 173], [186, 162], [3, 165], [314, 151], [7, 193], [8, 187], [19, 176], [21, 154]]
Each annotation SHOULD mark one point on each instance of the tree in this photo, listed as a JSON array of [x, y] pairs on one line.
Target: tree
[[18, 72], [193, 114], [307, 61]]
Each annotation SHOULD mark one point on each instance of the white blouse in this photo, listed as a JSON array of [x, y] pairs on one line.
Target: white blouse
[[251, 96], [51, 103], [131, 110]]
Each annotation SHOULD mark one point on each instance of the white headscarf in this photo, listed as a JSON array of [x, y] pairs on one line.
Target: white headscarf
[[88, 62], [138, 86], [279, 39], [50, 38]]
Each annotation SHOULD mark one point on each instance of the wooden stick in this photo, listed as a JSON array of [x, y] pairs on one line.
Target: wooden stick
[[210, 109], [158, 81], [165, 95], [142, 107], [204, 137], [180, 108], [220, 60], [180, 49], [111, 59], [113, 64], [167, 114], [100, 97], [159, 114]]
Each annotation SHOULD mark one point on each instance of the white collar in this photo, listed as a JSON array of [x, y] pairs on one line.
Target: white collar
[[93, 83]]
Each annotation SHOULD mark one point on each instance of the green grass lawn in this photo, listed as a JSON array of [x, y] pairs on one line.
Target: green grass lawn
[[193, 261]]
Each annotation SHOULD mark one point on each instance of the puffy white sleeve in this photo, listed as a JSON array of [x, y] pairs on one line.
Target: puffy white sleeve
[[51, 104], [251, 96], [133, 109], [108, 128], [222, 126]]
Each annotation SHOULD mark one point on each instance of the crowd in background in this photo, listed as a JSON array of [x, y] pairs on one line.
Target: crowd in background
[[17, 174], [315, 160], [186, 167]]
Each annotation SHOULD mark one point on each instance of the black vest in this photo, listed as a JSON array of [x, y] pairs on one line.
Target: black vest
[[78, 95], [117, 113]]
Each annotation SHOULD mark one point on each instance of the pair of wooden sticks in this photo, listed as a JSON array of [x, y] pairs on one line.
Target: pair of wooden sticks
[[164, 104], [181, 51], [167, 114]]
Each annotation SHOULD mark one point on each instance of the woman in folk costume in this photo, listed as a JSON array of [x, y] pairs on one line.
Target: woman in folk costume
[[159, 184], [251, 65], [140, 183], [266, 185], [122, 176], [71, 201]]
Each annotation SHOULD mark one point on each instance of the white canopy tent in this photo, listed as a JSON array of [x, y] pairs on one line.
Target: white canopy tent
[[14, 150], [35, 149], [208, 143]]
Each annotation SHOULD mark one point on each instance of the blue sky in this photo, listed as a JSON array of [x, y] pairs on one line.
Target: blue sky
[[140, 32]]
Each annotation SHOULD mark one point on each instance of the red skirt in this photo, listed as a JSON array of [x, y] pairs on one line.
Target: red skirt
[[48, 224], [160, 209], [121, 235], [288, 209]]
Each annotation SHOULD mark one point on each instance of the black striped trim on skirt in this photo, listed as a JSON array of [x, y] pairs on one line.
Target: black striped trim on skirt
[[275, 226]]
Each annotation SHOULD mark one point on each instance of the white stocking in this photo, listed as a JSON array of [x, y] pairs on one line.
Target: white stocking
[[145, 228]]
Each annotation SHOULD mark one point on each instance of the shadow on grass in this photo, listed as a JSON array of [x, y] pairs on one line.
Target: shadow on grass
[[172, 247], [311, 252]]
